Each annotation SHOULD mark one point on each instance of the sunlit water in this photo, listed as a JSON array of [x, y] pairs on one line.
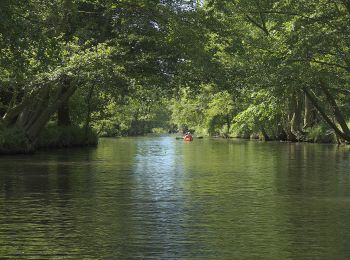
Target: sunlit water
[[161, 198]]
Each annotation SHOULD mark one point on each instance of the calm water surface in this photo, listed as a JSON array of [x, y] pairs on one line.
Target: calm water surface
[[161, 198]]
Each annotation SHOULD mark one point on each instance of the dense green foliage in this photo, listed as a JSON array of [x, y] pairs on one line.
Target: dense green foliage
[[66, 136], [12, 141], [268, 69], [285, 65]]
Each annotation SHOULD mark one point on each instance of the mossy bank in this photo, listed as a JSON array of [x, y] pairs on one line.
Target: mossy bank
[[14, 141]]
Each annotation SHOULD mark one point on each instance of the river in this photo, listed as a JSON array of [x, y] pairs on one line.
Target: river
[[161, 198]]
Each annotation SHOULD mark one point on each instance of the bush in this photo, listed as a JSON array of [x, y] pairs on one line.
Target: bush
[[14, 140], [321, 134], [159, 130], [66, 136], [241, 131]]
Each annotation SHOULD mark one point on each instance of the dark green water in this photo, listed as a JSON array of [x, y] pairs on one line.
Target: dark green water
[[161, 198]]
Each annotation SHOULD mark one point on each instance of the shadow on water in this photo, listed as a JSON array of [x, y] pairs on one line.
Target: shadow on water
[[162, 198]]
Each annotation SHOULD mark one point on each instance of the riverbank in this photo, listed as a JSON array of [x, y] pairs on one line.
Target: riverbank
[[317, 134], [14, 141]]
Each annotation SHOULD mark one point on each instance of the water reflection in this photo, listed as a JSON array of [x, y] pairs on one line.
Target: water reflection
[[163, 198]]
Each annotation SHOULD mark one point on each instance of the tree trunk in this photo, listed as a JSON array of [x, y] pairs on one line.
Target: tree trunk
[[89, 109], [309, 113], [39, 108], [337, 113], [297, 120], [264, 134], [322, 112], [228, 123], [33, 109], [12, 114], [290, 134], [63, 115], [35, 129]]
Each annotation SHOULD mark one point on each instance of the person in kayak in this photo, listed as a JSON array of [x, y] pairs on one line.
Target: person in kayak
[[188, 136]]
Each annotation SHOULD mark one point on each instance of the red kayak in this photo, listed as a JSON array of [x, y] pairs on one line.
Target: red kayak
[[188, 138]]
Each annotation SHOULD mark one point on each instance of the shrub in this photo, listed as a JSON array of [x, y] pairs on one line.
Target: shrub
[[159, 130], [66, 136], [14, 140], [241, 131], [321, 134]]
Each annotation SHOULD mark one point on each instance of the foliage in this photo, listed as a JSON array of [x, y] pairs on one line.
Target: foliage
[[262, 112], [66, 136], [321, 134], [188, 111], [13, 141], [220, 112], [136, 115]]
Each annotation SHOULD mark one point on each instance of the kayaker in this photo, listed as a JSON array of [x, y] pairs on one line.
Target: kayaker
[[188, 136]]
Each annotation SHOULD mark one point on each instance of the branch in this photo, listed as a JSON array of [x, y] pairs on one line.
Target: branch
[[257, 24], [340, 90], [87, 12], [262, 17], [347, 68], [278, 12], [14, 112], [325, 117]]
